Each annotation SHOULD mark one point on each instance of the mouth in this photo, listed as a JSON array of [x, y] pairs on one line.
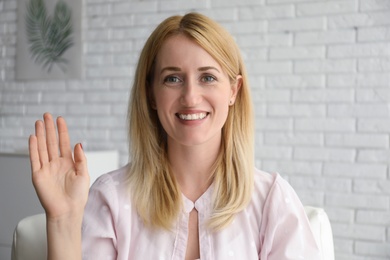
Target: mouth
[[191, 117]]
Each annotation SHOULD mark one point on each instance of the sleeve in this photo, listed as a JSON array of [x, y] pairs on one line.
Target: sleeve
[[285, 231], [98, 230]]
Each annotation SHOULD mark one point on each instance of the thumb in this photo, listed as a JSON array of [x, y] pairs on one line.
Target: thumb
[[80, 160]]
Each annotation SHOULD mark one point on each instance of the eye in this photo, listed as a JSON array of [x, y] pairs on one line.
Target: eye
[[208, 79], [172, 79]]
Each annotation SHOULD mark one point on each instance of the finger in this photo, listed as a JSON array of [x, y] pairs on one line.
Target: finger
[[34, 155], [63, 137], [41, 140], [51, 136], [80, 160]]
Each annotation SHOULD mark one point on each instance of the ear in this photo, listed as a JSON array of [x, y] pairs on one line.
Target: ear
[[235, 88]]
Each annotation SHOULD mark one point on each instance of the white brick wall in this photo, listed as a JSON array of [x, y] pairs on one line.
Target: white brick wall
[[320, 76]]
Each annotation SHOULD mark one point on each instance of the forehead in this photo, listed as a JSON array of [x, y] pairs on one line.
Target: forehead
[[181, 50]]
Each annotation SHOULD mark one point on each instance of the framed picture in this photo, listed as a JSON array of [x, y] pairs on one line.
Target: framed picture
[[49, 40]]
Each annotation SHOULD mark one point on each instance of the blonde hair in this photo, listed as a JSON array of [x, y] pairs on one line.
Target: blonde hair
[[154, 190]]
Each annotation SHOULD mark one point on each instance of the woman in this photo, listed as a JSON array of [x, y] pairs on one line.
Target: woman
[[190, 190]]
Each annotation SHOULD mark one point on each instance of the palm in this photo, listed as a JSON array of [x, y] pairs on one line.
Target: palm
[[61, 182]]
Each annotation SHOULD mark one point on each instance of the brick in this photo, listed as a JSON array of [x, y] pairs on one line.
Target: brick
[[295, 81], [222, 15], [297, 24], [263, 40], [274, 152], [266, 12], [323, 95], [296, 110], [359, 80], [63, 98], [325, 66], [359, 50], [355, 170], [373, 125], [372, 186], [374, 5], [357, 201], [358, 20], [271, 95], [95, 84], [345, 125], [293, 53], [182, 5], [358, 231], [324, 154], [108, 121], [90, 109], [40, 109], [246, 27], [119, 21], [373, 217], [99, 10], [130, 33], [13, 97], [98, 35], [251, 54], [97, 60], [103, 72], [321, 8], [358, 110], [321, 184], [373, 249], [272, 124], [294, 167], [325, 37], [373, 156], [373, 34], [293, 139], [112, 47], [287, 1], [234, 3], [374, 64], [269, 67], [136, 7], [97, 22], [379, 95], [343, 248], [357, 140], [106, 97], [340, 215], [312, 198]]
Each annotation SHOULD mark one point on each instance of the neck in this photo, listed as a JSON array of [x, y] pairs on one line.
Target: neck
[[192, 167]]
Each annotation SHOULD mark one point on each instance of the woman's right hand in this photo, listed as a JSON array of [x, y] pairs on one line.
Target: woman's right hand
[[61, 182]]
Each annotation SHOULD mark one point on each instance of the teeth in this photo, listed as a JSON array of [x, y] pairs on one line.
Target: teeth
[[192, 116]]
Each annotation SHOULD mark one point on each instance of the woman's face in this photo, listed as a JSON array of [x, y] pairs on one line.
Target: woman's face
[[191, 93]]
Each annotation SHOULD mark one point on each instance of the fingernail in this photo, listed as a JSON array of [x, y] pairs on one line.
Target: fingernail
[[81, 145]]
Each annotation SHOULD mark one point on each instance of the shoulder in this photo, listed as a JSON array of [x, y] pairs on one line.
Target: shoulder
[[111, 180], [271, 188]]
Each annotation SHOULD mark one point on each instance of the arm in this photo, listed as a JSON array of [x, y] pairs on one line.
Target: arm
[[62, 185], [286, 232]]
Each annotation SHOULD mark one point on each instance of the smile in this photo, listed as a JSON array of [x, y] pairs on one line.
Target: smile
[[197, 116]]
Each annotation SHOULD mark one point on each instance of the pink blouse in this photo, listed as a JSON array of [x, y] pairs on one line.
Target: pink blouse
[[273, 226]]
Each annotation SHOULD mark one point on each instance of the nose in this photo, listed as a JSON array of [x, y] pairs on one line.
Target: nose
[[191, 94]]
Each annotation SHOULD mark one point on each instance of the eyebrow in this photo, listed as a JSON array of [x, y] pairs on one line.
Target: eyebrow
[[199, 69]]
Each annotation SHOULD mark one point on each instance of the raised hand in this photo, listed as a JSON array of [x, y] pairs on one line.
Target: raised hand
[[61, 182]]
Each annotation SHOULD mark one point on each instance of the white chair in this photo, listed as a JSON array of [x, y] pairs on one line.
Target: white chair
[[29, 241], [322, 230]]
